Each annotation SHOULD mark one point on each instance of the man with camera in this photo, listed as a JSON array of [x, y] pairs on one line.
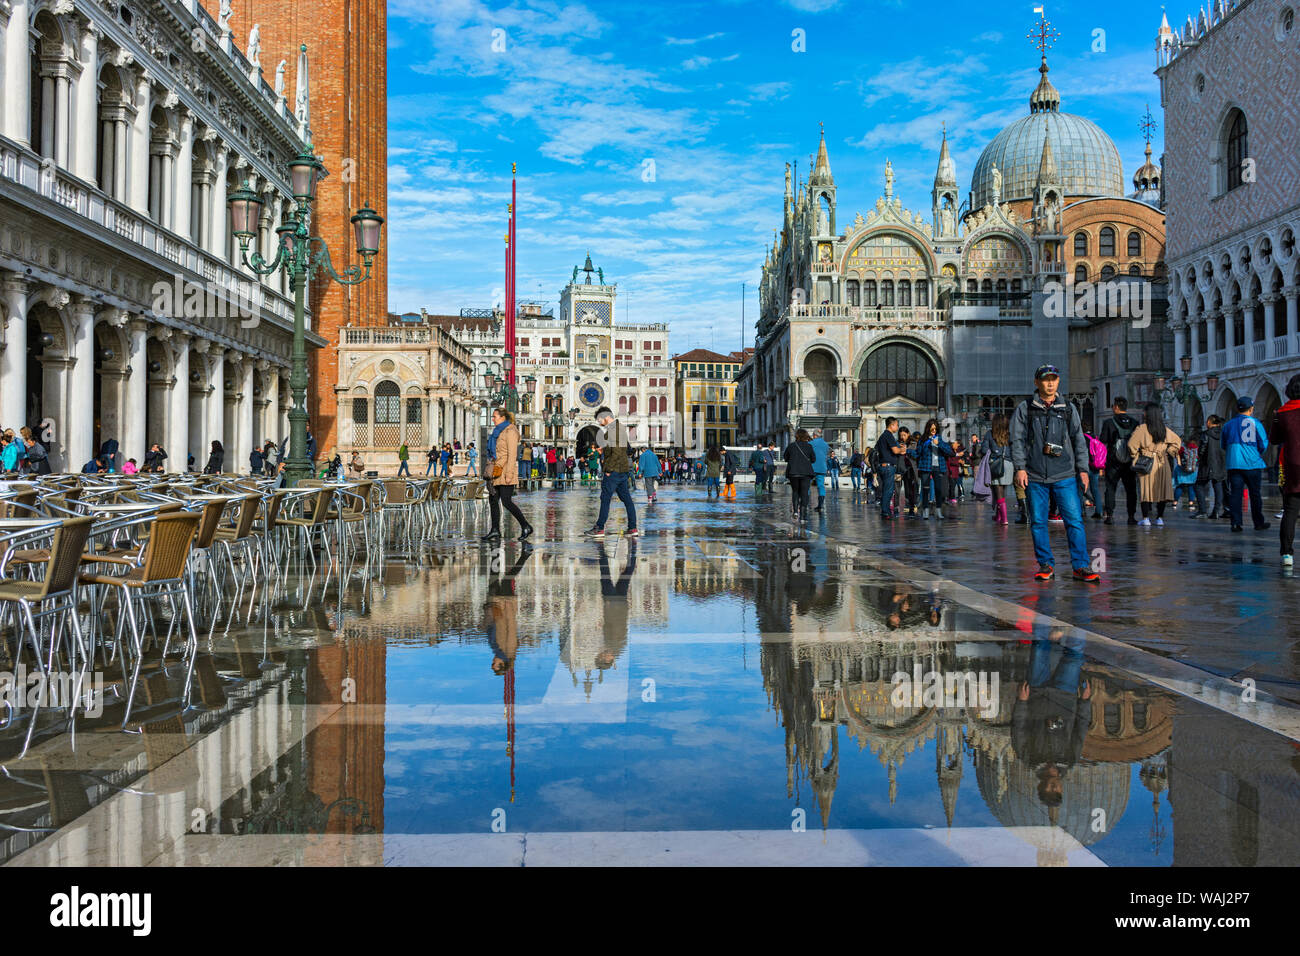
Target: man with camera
[[1049, 450]]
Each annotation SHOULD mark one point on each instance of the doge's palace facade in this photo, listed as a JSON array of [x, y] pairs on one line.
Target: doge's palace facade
[[124, 311]]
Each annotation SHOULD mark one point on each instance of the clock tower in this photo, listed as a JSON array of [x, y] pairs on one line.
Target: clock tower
[[585, 304]]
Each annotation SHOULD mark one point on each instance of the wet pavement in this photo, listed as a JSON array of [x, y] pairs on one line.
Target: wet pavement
[[729, 688]]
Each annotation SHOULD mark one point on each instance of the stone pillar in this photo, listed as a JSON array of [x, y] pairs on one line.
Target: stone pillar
[[1229, 334], [216, 211], [197, 393], [1291, 324], [134, 438], [244, 410], [121, 150], [1270, 317], [17, 74], [138, 189], [216, 405], [54, 406], [1195, 326], [1211, 338], [1180, 341], [48, 111], [78, 430], [1248, 326], [87, 111], [167, 188], [62, 119], [182, 178], [13, 360]]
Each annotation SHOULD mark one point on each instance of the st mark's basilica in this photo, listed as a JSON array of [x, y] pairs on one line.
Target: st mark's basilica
[[892, 314]]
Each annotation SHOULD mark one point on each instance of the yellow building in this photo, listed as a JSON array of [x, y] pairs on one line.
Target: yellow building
[[706, 396]]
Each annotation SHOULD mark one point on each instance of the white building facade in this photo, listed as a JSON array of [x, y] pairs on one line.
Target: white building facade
[[588, 358], [1230, 87], [124, 309]]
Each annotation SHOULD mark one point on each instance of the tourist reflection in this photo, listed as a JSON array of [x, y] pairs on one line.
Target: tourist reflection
[[503, 609], [1053, 712]]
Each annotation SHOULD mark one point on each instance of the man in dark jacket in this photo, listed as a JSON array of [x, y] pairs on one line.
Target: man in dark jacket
[[1052, 713], [154, 458], [1212, 472], [1114, 435], [1049, 451], [758, 462], [1286, 437], [616, 463], [889, 452]]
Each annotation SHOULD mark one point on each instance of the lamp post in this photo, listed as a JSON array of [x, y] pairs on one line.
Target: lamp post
[[1181, 391], [302, 255], [505, 394]]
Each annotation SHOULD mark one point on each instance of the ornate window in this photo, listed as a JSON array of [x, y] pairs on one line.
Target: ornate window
[[388, 415], [887, 293], [1106, 242], [1107, 273], [922, 293], [898, 370], [869, 293], [1237, 149], [1135, 243], [904, 293], [1080, 243]]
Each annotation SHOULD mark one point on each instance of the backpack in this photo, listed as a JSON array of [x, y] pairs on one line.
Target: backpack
[[1097, 452], [997, 458], [1191, 459], [1120, 449]]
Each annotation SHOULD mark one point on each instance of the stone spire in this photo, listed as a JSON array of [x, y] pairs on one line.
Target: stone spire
[[1047, 173], [789, 199], [821, 174], [1045, 98], [946, 174]]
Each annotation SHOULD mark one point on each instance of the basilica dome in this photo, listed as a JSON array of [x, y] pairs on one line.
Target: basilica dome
[[1086, 157]]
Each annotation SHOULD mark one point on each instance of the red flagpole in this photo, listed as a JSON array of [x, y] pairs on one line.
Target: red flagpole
[[513, 264]]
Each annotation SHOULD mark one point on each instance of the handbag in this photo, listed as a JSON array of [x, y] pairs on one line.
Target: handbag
[[1143, 464]]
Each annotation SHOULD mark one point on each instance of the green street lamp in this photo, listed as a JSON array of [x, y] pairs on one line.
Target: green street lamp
[[1183, 392], [504, 394], [302, 256]]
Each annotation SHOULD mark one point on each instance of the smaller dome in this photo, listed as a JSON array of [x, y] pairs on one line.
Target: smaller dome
[[1045, 97], [1146, 181]]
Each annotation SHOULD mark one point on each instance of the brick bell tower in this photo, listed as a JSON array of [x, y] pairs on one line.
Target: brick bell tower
[[348, 81]]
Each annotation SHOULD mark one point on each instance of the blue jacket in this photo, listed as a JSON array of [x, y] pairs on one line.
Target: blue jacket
[[649, 464], [821, 451], [923, 462], [1244, 443]]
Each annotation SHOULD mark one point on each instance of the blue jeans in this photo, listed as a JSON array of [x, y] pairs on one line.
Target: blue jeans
[[819, 480], [1038, 497], [855, 475], [1068, 673], [611, 485], [404, 469], [1245, 478], [473, 467], [886, 488]]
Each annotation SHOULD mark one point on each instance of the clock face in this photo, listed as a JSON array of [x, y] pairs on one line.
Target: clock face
[[591, 394]]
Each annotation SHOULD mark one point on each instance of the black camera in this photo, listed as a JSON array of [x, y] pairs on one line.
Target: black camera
[[1053, 450]]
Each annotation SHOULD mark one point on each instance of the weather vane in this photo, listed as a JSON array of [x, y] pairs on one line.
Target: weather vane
[[1148, 124], [1045, 35]]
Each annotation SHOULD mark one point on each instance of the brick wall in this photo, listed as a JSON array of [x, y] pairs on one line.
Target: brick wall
[[347, 65]]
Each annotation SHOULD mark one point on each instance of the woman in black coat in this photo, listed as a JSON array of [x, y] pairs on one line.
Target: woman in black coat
[[216, 459], [799, 472]]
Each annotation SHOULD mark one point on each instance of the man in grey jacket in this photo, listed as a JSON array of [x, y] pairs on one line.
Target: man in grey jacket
[[1050, 454]]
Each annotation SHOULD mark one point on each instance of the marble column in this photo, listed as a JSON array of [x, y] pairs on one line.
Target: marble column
[[1195, 326], [54, 406], [1270, 317], [1212, 338], [1229, 334], [78, 430], [1291, 324], [134, 438], [247, 436], [87, 112], [17, 74], [182, 177], [48, 111], [216, 210], [13, 360], [121, 150], [216, 402], [270, 425], [1180, 340], [62, 119], [1248, 326], [138, 188]]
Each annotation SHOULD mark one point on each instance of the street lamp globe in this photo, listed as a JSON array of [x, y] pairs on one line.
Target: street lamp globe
[[305, 171], [245, 211], [1186, 363], [1160, 383], [1212, 383], [286, 233], [366, 223]]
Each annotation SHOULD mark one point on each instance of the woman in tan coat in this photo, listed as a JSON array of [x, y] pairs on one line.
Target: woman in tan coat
[[503, 473], [1157, 442]]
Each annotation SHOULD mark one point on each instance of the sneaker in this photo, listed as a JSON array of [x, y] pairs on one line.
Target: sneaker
[[1045, 573], [1160, 522], [596, 532], [1086, 574], [1236, 527], [631, 533], [1287, 561], [1263, 527], [1107, 520], [1145, 523]]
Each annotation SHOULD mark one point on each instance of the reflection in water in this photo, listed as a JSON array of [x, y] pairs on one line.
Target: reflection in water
[[358, 702]]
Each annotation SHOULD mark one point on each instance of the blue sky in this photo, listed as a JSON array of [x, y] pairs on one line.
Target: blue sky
[[583, 95]]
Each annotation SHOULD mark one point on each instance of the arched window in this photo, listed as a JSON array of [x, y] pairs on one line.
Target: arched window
[[853, 291], [388, 415], [972, 285], [1080, 243], [986, 285], [1135, 243], [1107, 273], [904, 293], [1016, 286], [631, 404], [1236, 149], [922, 293], [887, 293], [898, 370], [1002, 285], [1106, 242], [869, 292], [1135, 270], [622, 404]]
